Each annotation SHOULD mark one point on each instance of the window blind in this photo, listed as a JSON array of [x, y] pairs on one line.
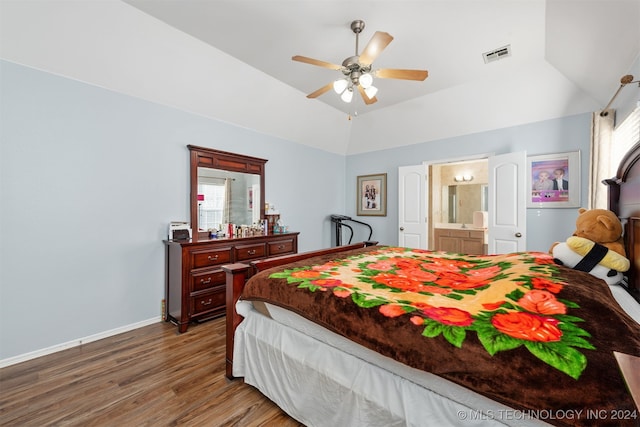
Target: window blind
[[625, 136]]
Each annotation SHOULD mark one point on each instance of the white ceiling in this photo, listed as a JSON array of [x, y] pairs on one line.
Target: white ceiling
[[567, 58], [590, 42], [447, 38]]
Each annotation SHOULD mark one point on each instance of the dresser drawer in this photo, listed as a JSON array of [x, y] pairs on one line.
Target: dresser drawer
[[247, 252], [206, 280], [208, 301], [280, 247], [208, 257]]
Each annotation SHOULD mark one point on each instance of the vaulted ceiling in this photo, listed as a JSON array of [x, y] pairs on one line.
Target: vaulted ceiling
[[231, 60]]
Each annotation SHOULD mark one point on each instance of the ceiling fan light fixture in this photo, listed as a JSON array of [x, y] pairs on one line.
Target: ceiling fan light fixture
[[347, 95], [366, 80], [371, 91], [358, 69], [340, 85]]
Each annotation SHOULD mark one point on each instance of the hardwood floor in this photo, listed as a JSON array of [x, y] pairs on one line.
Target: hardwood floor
[[151, 376]]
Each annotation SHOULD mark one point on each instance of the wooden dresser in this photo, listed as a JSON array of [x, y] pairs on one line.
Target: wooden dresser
[[196, 282], [460, 240]]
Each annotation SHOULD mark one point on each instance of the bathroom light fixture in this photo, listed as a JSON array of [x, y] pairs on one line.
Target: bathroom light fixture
[[463, 178]]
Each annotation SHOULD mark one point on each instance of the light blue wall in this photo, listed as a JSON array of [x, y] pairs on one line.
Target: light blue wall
[[90, 179], [544, 226]]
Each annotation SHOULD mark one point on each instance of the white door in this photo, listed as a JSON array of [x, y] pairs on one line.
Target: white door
[[507, 203], [412, 227]]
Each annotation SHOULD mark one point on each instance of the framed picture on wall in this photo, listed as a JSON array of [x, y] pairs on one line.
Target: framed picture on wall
[[372, 195], [554, 180]]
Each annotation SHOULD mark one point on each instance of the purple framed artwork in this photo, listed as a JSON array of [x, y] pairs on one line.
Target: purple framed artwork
[[554, 180]]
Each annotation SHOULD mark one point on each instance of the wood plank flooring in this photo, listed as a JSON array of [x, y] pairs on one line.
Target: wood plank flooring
[[151, 376]]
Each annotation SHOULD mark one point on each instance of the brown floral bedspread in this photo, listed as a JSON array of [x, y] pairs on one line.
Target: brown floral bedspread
[[516, 328]]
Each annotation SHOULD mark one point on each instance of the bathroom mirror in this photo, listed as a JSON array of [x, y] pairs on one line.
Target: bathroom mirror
[[225, 188], [463, 201]]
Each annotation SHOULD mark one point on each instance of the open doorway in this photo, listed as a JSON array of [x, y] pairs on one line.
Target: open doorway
[[458, 194], [498, 221]]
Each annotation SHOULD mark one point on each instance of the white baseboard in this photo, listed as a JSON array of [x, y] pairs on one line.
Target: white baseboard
[[74, 343]]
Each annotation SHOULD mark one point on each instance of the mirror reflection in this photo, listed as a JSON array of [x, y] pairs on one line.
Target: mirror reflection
[[463, 201], [227, 197]]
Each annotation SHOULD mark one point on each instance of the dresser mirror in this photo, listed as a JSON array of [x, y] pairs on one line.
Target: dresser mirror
[[225, 188]]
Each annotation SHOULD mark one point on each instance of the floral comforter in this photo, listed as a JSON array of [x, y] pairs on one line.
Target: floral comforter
[[516, 327]]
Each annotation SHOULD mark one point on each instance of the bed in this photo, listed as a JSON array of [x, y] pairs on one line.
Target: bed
[[439, 338]]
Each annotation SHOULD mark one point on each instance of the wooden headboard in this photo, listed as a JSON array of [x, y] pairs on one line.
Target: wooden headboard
[[624, 200]]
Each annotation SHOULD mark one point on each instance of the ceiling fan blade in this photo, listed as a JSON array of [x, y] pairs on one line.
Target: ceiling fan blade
[[317, 62], [320, 91], [365, 98], [390, 73], [376, 45]]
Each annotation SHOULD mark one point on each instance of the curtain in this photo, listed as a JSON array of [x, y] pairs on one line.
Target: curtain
[[226, 210], [601, 139]]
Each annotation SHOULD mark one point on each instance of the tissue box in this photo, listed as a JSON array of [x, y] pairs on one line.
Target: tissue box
[[480, 219]]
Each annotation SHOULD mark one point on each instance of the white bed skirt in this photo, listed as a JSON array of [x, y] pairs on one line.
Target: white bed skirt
[[345, 384]]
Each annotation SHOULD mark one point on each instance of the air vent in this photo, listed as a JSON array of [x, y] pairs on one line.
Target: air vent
[[494, 55]]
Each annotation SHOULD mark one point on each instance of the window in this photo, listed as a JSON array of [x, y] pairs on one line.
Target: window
[[624, 137], [608, 147], [211, 197]]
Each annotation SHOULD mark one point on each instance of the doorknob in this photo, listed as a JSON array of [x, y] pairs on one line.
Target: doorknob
[[518, 234], [401, 228]]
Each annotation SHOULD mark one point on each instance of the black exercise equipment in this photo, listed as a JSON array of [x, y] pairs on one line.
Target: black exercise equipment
[[338, 221]]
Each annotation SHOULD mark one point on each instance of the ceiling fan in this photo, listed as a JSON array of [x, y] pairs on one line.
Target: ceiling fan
[[358, 71]]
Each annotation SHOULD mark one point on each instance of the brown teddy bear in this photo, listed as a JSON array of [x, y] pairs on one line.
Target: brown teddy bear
[[601, 226], [596, 246]]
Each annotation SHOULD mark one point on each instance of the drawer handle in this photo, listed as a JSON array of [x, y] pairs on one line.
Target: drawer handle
[[212, 258], [203, 302], [252, 252], [280, 246], [205, 282]]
